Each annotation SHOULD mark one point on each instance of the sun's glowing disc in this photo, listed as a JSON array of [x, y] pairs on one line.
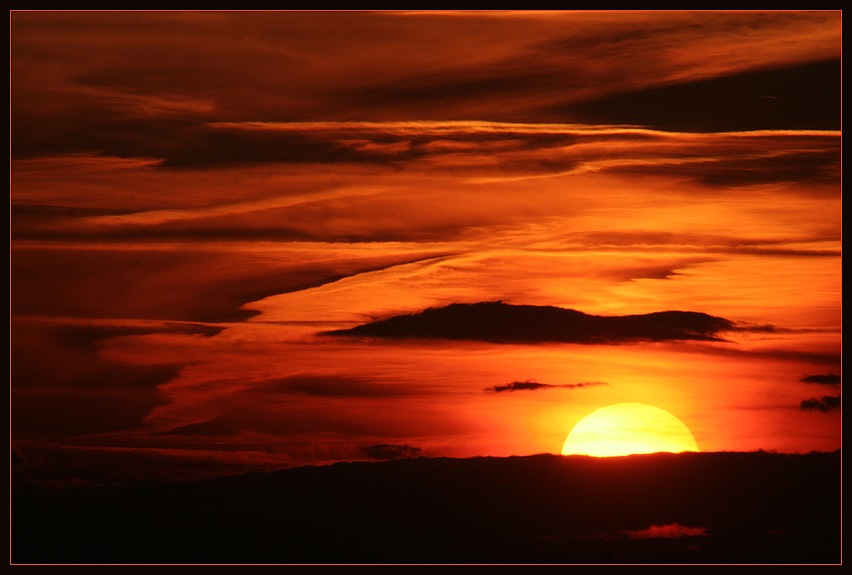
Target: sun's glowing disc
[[627, 428]]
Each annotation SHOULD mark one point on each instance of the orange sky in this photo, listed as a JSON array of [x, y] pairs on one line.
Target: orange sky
[[197, 196]]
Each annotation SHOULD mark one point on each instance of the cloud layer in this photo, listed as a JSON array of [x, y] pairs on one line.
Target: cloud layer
[[196, 195]]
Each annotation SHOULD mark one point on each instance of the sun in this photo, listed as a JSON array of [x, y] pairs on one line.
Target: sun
[[628, 428]]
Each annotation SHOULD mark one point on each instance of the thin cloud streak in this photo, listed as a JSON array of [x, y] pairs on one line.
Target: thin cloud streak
[[824, 379], [532, 385]]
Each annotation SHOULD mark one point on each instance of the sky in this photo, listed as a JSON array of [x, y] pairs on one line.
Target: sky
[[203, 204]]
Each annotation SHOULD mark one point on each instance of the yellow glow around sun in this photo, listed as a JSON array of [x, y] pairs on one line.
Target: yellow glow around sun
[[627, 428]]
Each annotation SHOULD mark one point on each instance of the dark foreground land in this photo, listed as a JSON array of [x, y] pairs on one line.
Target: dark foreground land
[[716, 508]]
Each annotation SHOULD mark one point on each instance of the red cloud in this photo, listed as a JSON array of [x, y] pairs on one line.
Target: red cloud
[[670, 531]]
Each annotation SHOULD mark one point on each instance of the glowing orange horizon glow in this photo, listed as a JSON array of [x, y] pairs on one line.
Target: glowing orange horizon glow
[[626, 429]]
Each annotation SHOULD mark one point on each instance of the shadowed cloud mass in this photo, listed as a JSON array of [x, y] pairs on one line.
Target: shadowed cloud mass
[[822, 378], [505, 323], [824, 404], [532, 385], [802, 96]]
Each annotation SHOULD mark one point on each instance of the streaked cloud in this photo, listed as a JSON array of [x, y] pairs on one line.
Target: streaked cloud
[[822, 378], [532, 385], [94, 81]]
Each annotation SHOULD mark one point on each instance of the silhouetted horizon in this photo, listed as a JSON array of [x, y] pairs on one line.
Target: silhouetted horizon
[[720, 507]]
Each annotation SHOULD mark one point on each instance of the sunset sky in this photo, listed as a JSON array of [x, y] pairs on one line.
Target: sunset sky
[[197, 198]]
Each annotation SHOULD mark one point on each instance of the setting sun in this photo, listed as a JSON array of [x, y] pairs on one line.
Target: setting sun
[[628, 428]]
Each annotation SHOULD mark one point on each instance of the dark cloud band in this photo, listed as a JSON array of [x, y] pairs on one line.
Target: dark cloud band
[[504, 323]]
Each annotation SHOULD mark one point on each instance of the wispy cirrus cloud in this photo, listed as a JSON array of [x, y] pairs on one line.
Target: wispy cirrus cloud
[[586, 67], [548, 149]]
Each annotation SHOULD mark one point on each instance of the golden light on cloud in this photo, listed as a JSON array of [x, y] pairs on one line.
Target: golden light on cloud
[[628, 428]]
